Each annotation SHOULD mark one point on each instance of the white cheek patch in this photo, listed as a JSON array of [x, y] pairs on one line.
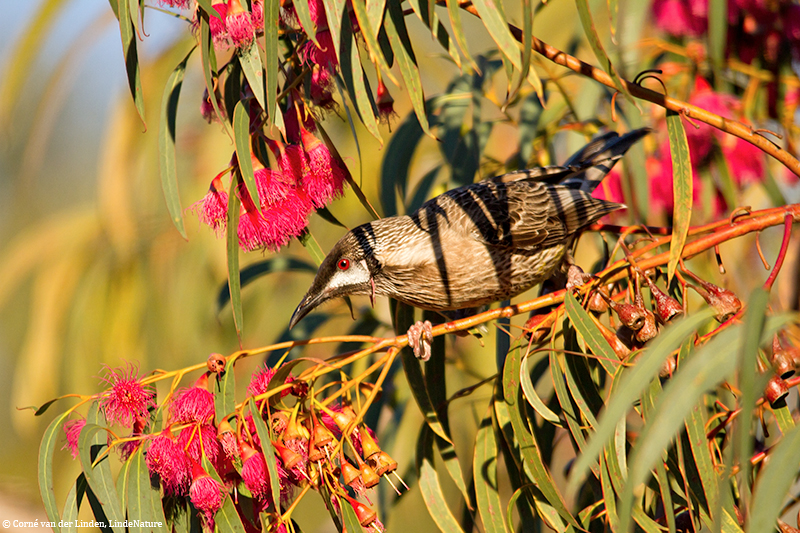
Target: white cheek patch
[[352, 276]]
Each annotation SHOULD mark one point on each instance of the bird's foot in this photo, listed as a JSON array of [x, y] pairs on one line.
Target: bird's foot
[[420, 338], [576, 277]]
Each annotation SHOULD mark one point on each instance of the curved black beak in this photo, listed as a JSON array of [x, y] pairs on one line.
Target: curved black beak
[[307, 304]]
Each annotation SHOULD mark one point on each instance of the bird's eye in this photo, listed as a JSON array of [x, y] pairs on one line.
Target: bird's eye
[[343, 264]]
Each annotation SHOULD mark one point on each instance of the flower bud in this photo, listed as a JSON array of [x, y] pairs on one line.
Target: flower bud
[[368, 445], [775, 390], [365, 515]]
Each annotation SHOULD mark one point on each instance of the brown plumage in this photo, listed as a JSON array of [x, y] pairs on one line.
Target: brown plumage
[[477, 244]]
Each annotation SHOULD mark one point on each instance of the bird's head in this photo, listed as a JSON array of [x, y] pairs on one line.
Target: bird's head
[[348, 269]]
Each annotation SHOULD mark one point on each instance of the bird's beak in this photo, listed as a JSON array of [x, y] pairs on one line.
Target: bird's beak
[[307, 304]]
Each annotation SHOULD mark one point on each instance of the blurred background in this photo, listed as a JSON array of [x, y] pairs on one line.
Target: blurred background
[[93, 273]]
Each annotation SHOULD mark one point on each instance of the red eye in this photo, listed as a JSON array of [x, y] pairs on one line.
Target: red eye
[[343, 264]]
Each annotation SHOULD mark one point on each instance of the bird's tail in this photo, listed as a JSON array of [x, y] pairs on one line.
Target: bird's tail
[[592, 162], [577, 208]]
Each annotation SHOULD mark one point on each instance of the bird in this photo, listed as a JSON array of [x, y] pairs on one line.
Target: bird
[[476, 244]]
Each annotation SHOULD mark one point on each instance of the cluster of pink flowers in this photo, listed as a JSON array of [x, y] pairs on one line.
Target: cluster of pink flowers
[[198, 460], [759, 27], [745, 161], [307, 177]]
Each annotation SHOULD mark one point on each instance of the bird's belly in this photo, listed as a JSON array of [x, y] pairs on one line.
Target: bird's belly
[[480, 277]]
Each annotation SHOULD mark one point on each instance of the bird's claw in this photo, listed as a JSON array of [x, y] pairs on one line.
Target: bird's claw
[[420, 339], [576, 277]]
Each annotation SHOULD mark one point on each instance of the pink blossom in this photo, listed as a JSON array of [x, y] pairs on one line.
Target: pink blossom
[[166, 458], [192, 404], [180, 4], [206, 494], [219, 32], [326, 179], [681, 17], [317, 11], [320, 88], [271, 187], [701, 135], [212, 210], [239, 23], [257, 13], [323, 53], [199, 441], [254, 472], [72, 429], [127, 399]]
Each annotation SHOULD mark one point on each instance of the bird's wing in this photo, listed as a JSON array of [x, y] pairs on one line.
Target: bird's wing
[[516, 213]]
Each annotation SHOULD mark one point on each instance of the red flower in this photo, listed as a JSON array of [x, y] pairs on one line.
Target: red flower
[[166, 458], [254, 472], [216, 25], [206, 494], [127, 399], [72, 429], [385, 103], [180, 4], [323, 53], [212, 210], [193, 404], [326, 179], [259, 381], [198, 441], [239, 23], [681, 17]]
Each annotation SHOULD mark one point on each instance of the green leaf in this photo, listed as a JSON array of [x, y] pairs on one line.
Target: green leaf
[[429, 484], [682, 189], [590, 334], [131, 56], [532, 460], [271, 16], [774, 483], [397, 161], [530, 394], [241, 133], [227, 519], [484, 470], [91, 443], [717, 32], [144, 499], [208, 59], [493, 18], [255, 270], [404, 318], [709, 365], [454, 13], [370, 31], [353, 74], [166, 143], [334, 10], [404, 53], [46, 449], [72, 506], [426, 13], [266, 446], [39, 411], [253, 70], [597, 47], [304, 17], [632, 383], [232, 238], [310, 244], [225, 394], [696, 435]]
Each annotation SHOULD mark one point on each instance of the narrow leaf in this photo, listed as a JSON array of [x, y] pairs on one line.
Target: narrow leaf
[[225, 394], [144, 499], [232, 238], [682, 189], [632, 383], [353, 74], [253, 70], [131, 56], [304, 17], [241, 133], [532, 396], [351, 522], [491, 13], [429, 484], [454, 13], [72, 506], [312, 246], [227, 518], [774, 483], [271, 16], [91, 443], [258, 269], [401, 45], [268, 450], [591, 335], [484, 470], [167, 128], [46, 449]]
